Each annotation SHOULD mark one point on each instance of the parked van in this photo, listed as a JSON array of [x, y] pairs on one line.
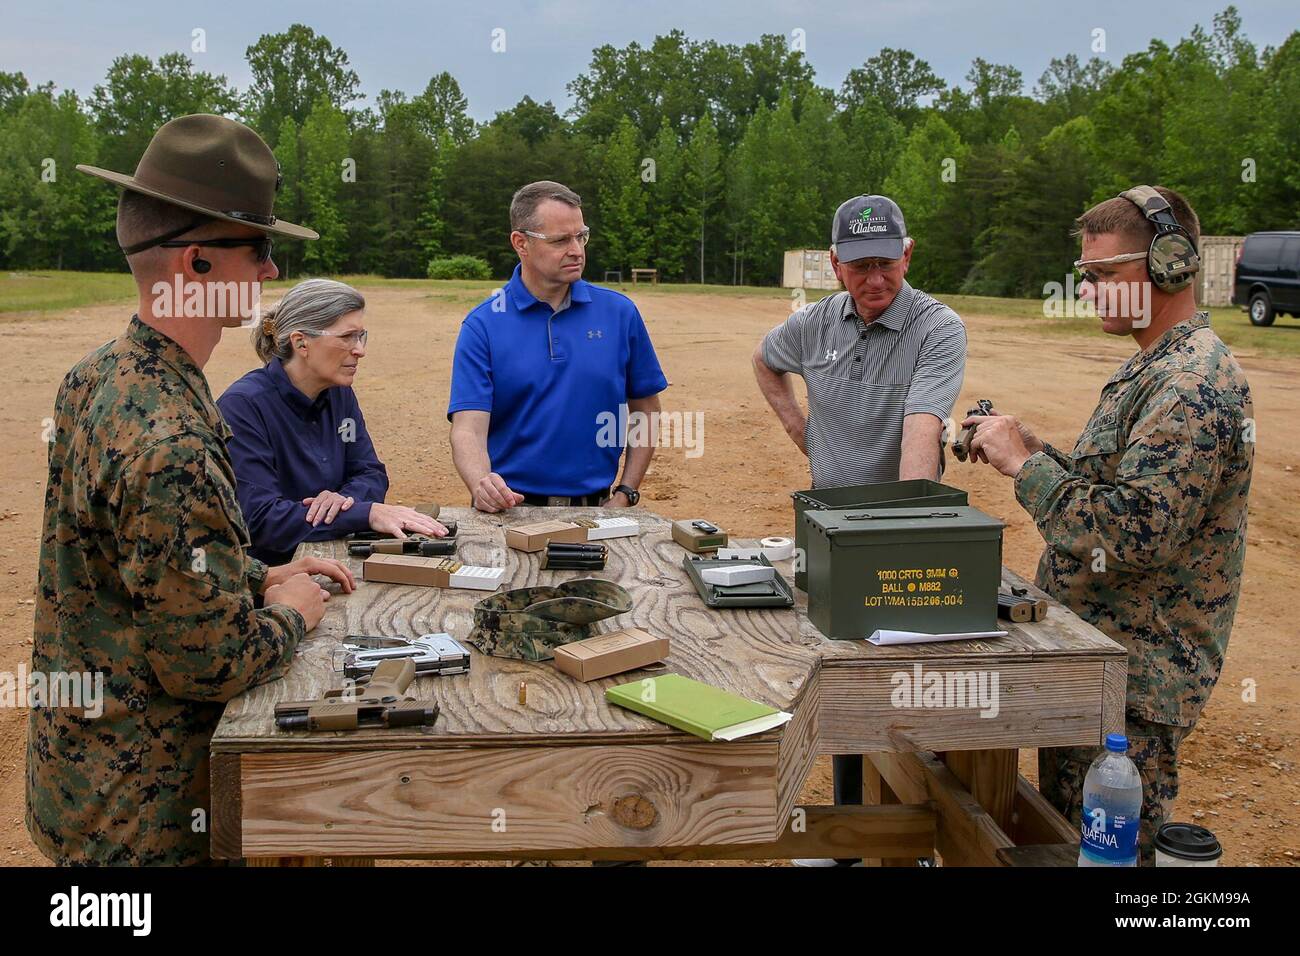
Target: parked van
[[1267, 277]]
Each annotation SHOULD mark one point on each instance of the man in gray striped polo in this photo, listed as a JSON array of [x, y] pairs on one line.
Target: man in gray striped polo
[[883, 364]]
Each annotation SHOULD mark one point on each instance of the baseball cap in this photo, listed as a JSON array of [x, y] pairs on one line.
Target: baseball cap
[[868, 227]]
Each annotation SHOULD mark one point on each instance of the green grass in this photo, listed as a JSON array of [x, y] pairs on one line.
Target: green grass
[[991, 305], [728, 291], [53, 291], [480, 287], [1231, 324], [56, 291], [462, 293]]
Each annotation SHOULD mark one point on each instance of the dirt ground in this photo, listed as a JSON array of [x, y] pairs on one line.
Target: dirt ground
[[1239, 765]]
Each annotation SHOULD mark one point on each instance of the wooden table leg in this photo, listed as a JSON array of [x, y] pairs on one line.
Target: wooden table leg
[[875, 792], [990, 776]]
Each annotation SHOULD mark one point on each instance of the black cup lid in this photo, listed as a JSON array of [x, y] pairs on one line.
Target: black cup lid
[[1187, 841]]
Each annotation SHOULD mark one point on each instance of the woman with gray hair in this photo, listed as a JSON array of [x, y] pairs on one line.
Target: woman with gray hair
[[305, 468]]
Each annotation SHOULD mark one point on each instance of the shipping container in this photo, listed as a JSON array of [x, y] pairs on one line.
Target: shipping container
[[1214, 281], [809, 269]]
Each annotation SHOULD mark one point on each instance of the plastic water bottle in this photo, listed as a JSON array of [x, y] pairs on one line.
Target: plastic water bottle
[[1112, 808]]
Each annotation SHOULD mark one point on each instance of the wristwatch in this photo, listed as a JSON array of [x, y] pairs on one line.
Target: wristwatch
[[633, 496]]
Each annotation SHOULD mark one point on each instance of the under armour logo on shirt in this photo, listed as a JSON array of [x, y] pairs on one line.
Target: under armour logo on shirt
[[595, 333], [832, 354]]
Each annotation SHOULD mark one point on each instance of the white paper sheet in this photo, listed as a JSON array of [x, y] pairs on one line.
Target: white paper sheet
[[883, 638]]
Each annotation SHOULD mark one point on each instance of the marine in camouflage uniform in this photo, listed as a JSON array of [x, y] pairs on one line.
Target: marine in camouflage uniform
[[144, 578], [1145, 525]]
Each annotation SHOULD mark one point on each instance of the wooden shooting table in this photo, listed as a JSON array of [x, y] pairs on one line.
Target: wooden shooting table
[[568, 776]]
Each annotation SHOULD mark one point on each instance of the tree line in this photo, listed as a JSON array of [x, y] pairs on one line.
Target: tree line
[[704, 160]]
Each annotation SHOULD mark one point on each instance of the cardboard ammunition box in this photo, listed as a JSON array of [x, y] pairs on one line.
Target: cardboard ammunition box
[[695, 540], [934, 570], [915, 493], [533, 537], [429, 572], [611, 653]]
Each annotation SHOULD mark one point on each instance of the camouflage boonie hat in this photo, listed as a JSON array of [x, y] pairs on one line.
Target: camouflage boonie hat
[[529, 623]]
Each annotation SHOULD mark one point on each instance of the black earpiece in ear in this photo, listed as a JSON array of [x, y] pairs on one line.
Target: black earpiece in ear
[[202, 265]]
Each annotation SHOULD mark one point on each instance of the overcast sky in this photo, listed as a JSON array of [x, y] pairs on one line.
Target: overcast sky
[[399, 44]]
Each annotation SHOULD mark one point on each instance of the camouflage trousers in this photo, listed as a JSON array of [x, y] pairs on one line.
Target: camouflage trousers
[[1152, 747]]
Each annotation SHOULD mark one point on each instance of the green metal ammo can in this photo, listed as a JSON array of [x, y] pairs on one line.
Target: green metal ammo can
[[934, 570], [914, 493]]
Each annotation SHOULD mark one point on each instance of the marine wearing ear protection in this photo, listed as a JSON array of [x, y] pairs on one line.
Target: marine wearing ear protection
[[1172, 260]]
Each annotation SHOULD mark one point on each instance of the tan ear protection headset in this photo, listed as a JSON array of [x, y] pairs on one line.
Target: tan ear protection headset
[[1172, 260]]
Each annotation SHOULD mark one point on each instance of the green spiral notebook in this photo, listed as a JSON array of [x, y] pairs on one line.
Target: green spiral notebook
[[700, 709]]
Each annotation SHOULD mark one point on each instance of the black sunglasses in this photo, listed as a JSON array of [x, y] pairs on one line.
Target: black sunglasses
[[261, 246]]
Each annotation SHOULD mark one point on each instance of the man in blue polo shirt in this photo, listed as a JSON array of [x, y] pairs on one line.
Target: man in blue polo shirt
[[542, 364]]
